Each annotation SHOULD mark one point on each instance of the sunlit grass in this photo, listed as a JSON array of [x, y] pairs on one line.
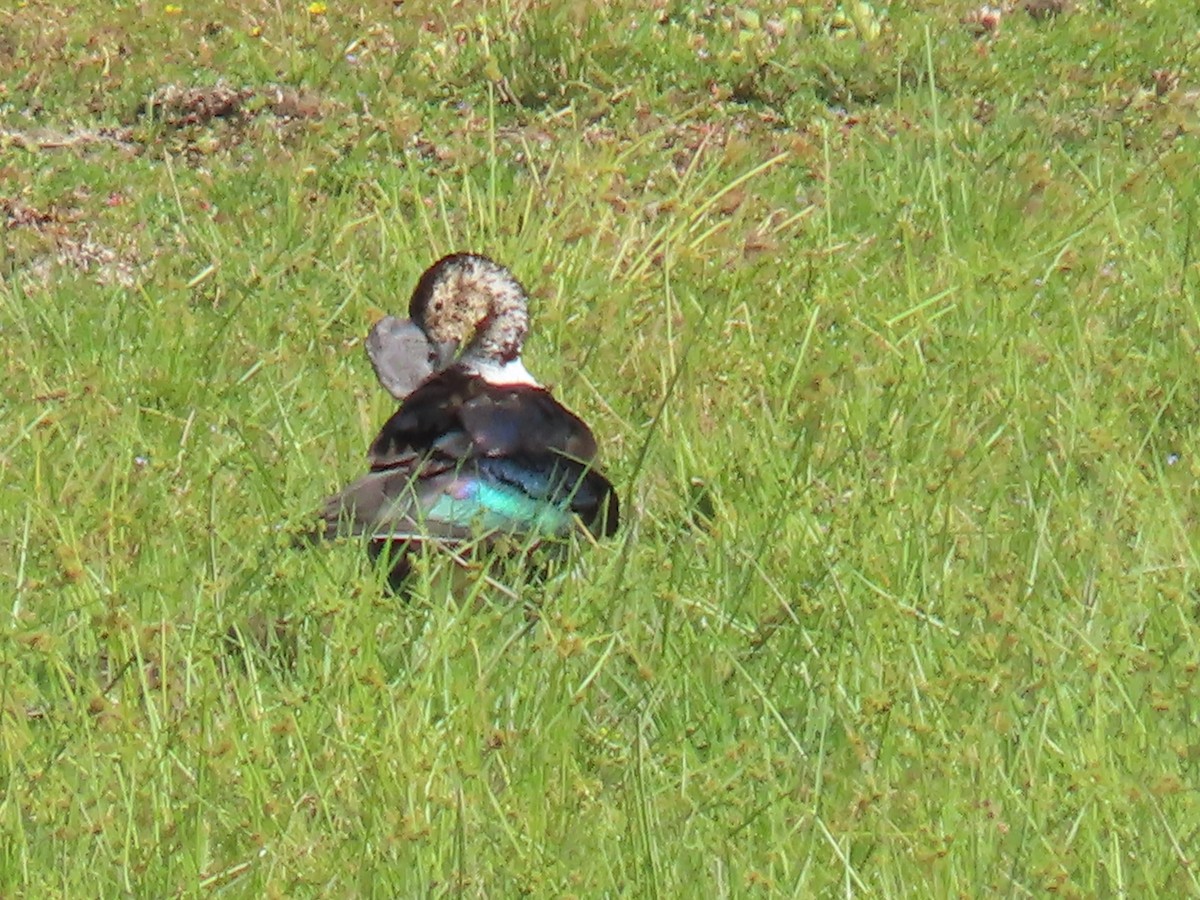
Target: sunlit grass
[[889, 335]]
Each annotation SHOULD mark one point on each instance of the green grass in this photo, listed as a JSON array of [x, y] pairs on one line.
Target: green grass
[[889, 334]]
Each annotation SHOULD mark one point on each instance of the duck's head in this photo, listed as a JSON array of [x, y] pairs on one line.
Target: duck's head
[[476, 306]]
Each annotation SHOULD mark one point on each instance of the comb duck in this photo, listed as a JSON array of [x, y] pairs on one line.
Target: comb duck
[[478, 449]]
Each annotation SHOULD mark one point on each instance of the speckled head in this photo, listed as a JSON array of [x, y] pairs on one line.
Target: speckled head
[[474, 302]]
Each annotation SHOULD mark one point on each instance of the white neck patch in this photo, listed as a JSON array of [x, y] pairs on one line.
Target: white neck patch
[[511, 372]]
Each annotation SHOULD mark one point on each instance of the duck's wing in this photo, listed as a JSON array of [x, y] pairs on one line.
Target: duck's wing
[[480, 498], [463, 457]]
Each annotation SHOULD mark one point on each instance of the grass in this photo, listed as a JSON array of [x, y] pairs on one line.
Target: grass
[[888, 330]]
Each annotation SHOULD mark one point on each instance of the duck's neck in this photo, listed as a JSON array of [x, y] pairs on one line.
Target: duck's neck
[[502, 332], [495, 372]]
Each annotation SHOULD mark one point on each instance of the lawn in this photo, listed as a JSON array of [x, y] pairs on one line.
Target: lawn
[[886, 318]]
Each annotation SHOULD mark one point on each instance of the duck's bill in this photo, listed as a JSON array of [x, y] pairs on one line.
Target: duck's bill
[[403, 357]]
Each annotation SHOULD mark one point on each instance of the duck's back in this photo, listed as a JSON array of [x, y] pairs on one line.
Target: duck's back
[[463, 457]]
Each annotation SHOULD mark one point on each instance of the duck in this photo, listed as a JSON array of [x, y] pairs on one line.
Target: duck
[[478, 452]]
